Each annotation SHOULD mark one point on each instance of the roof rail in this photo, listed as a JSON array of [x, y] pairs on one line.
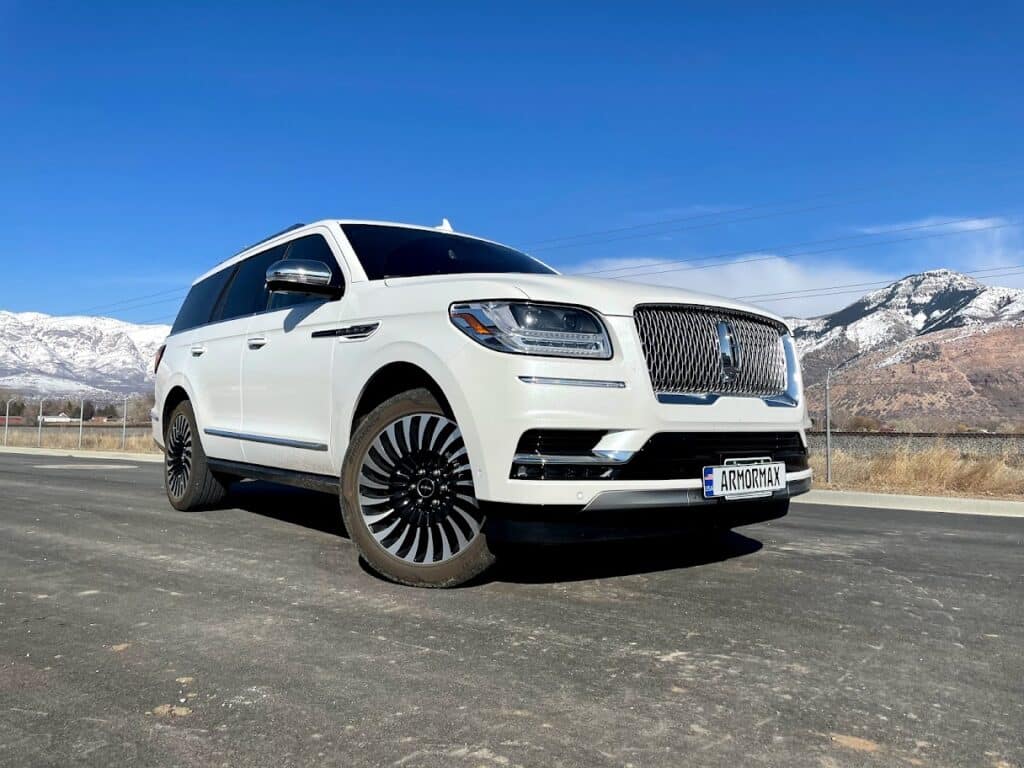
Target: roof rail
[[269, 237]]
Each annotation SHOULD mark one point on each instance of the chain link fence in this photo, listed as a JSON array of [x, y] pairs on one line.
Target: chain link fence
[[122, 425]]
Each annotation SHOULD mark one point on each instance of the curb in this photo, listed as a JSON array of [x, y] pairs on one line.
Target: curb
[[152, 458], [948, 504]]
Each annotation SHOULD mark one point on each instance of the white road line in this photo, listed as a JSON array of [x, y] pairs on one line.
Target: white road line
[[84, 466]]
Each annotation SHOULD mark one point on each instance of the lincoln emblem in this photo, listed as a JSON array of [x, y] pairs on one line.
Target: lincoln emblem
[[729, 349]]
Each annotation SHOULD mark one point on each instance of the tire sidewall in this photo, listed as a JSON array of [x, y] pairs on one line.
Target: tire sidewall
[[187, 501], [468, 563]]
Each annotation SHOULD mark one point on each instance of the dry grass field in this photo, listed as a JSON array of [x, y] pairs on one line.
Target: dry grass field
[[93, 439], [939, 471]]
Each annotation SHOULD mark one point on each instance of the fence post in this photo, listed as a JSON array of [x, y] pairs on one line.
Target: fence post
[[39, 427], [828, 426], [124, 423], [81, 421]]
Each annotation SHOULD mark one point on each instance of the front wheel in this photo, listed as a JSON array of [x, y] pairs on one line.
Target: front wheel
[[407, 495]]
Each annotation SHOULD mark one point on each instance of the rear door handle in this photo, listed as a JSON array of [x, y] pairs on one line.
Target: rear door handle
[[197, 349], [255, 342]]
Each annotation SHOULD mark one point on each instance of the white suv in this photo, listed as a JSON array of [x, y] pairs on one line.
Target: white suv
[[455, 392]]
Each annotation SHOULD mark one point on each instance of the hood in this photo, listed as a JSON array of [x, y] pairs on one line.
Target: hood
[[609, 297]]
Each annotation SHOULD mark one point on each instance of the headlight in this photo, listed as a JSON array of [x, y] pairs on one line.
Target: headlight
[[533, 329]]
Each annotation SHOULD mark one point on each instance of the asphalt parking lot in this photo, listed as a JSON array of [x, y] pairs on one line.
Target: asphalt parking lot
[[131, 634]]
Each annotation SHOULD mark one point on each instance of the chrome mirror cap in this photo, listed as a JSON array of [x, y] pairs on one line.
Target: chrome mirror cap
[[301, 276]]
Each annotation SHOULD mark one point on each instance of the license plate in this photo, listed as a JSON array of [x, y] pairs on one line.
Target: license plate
[[744, 481]]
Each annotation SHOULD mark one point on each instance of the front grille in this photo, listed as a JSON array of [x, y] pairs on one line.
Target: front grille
[[685, 356], [682, 455]]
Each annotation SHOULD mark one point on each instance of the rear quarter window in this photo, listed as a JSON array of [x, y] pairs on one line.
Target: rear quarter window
[[197, 308], [248, 292]]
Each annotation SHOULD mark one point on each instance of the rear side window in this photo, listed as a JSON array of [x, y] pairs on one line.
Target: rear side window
[[311, 247], [198, 307], [248, 292]]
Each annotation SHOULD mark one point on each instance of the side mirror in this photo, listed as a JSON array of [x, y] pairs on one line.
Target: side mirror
[[302, 276]]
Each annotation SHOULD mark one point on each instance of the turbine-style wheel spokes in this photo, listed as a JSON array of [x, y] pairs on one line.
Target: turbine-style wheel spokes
[[179, 455], [416, 490]]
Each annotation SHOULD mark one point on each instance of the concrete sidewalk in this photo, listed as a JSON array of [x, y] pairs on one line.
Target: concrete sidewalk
[[949, 504], [152, 458]]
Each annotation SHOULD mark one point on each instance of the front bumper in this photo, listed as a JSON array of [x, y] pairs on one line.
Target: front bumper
[[508, 395]]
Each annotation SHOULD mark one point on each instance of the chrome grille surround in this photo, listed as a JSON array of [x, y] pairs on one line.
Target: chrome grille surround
[[684, 356]]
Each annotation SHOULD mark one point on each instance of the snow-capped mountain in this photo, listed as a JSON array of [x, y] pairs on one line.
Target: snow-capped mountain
[[83, 356], [936, 350], [915, 306]]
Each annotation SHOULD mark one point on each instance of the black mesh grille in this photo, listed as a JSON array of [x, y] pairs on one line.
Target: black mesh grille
[[682, 455], [684, 355]]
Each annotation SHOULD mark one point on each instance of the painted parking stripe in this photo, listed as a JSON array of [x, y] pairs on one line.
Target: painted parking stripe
[[84, 466]]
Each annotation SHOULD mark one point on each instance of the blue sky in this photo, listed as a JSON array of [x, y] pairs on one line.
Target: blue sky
[[140, 144]]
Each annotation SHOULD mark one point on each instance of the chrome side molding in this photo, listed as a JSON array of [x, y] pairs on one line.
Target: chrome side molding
[[252, 438], [603, 383], [598, 457], [354, 332]]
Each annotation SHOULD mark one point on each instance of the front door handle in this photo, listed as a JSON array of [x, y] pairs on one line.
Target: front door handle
[[197, 349], [256, 342]]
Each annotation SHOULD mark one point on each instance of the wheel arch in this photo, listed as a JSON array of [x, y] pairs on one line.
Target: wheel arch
[[389, 380], [175, 395], [393, 369]]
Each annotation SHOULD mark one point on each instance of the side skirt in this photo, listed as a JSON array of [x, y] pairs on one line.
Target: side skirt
[[307, 480]]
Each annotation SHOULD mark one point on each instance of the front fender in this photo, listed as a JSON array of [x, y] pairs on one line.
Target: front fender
[[436, 363]]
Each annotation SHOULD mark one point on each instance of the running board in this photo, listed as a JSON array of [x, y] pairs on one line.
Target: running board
[[307, 480]]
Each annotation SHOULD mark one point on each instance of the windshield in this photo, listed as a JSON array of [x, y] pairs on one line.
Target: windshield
[[401, 252]]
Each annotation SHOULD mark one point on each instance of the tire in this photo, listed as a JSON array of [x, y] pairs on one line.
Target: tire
[[407, 495], [188, 481]]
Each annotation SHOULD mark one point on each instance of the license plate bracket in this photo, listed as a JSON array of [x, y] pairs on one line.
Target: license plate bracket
[[748, 478]]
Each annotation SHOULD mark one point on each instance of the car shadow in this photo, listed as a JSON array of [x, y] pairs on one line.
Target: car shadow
[[517, 563], [310, 509], [527, 564]]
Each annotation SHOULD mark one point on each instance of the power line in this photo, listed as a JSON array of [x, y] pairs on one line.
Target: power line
[[875, 282], [120, 304], [126, 301], [768, 300], [809, 253], [543, 244], [825, 241], [706, 225]]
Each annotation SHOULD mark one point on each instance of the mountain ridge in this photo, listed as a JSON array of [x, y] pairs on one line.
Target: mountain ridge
[[80, 355], [936, 349]]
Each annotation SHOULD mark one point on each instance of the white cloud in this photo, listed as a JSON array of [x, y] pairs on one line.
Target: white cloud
[[817, 285], [755, 275], [930, 224]]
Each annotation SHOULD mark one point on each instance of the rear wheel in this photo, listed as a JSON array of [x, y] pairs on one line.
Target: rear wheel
[[407, 495], [188, 480]]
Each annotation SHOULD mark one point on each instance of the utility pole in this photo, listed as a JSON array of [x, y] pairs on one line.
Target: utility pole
[[7, 421], [828, 426], [81, 421], [124, 423], [39, 427]]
